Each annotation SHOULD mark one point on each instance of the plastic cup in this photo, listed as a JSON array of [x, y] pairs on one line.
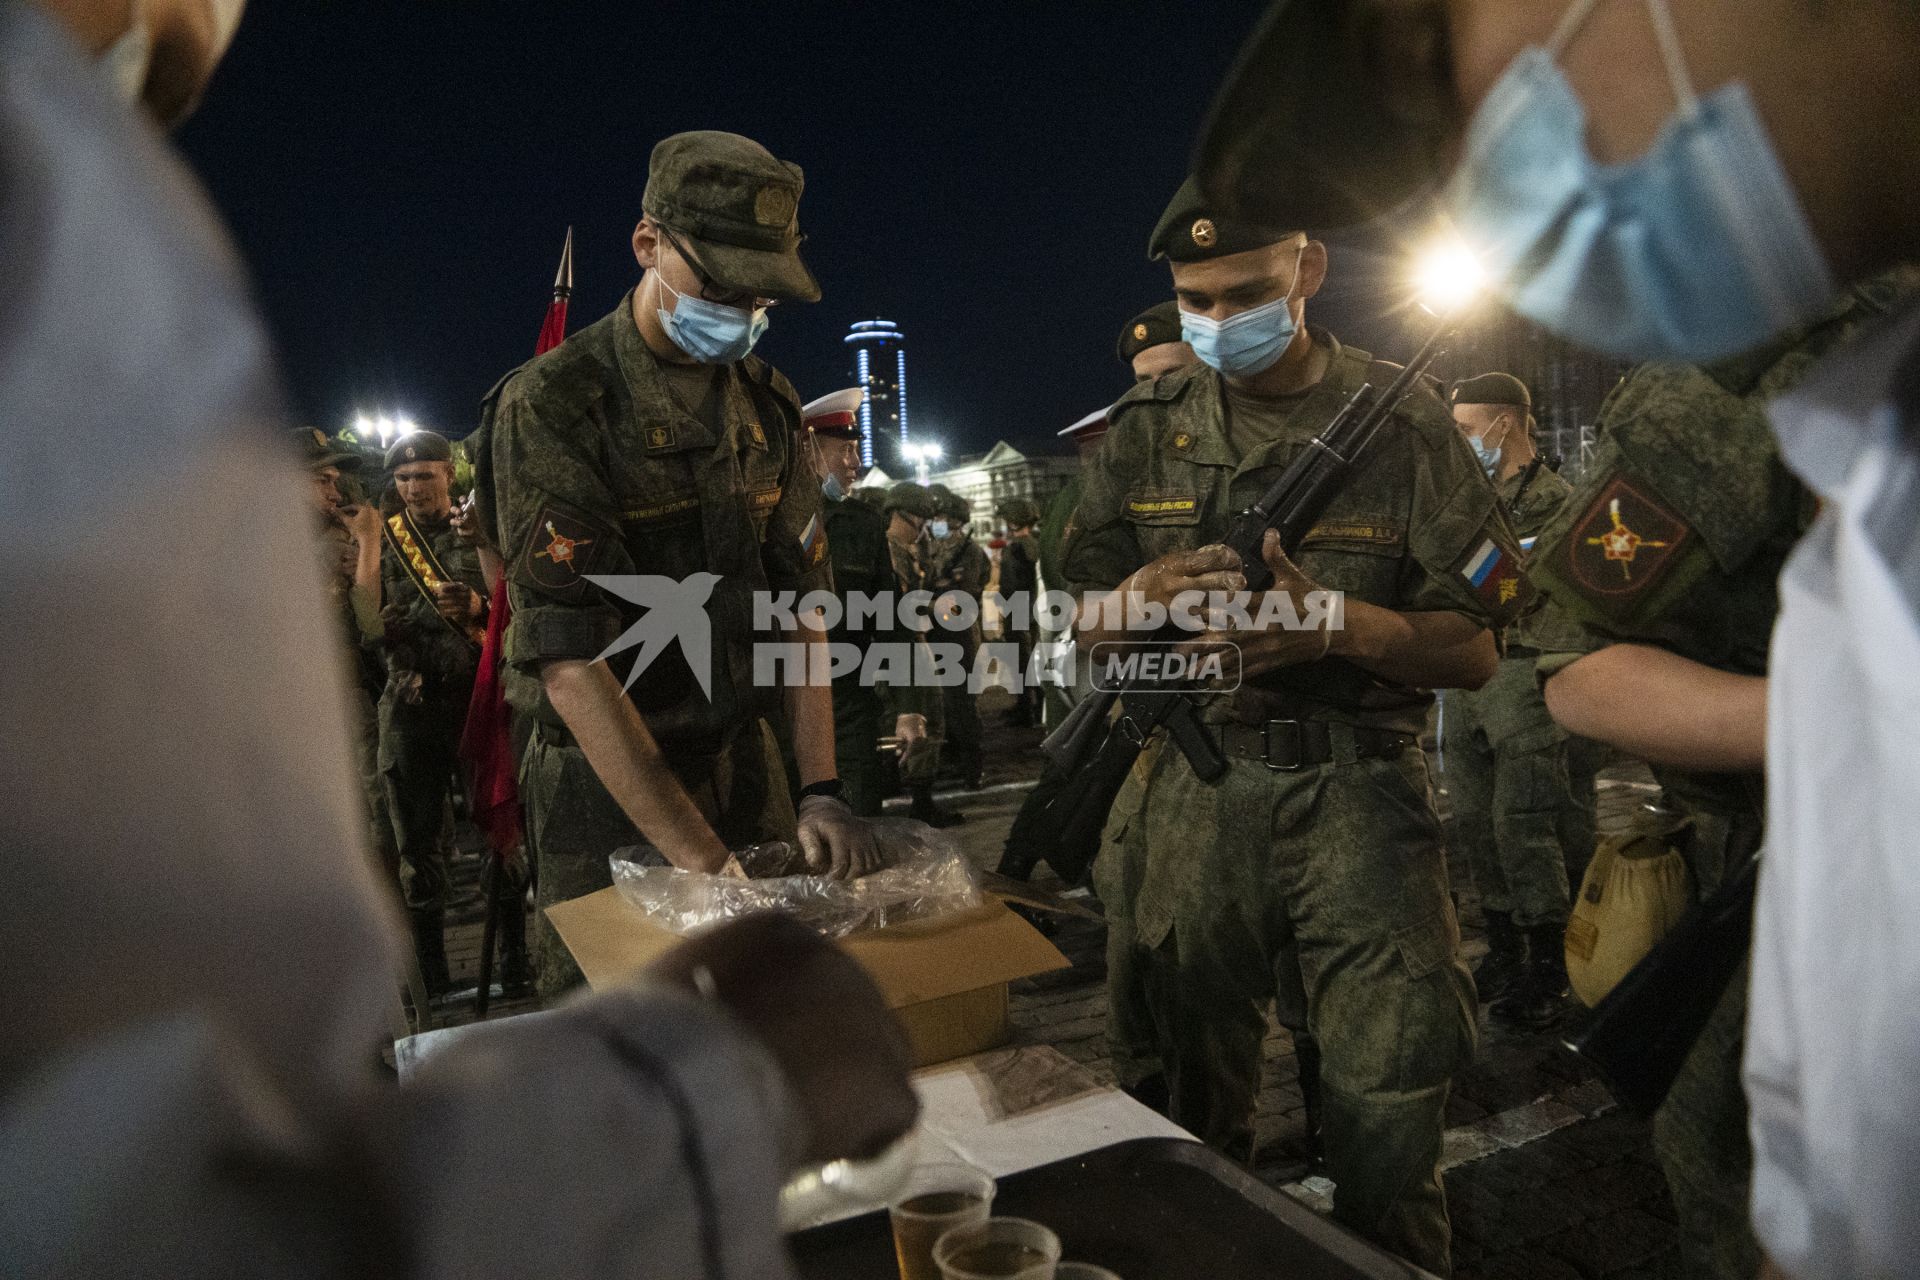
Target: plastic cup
[[1082, 1271], [998, 1249], [938, 1197]]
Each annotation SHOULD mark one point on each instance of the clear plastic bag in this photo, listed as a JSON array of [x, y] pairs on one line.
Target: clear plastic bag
[[923, 875]]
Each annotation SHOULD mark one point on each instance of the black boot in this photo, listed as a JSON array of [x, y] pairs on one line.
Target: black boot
[[1538, 997], [430, 946], [1306, 1057], [516, 971], [925, 810], [1506, 957]]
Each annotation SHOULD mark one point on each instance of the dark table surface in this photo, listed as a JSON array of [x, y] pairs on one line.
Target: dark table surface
[[1149, 1209]]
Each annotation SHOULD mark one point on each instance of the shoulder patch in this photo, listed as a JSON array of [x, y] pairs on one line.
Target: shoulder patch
[[1492, 573], [561, 549], [1622, 544]]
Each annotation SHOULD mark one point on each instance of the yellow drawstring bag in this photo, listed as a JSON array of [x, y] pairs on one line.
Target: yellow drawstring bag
[[1635, 890]]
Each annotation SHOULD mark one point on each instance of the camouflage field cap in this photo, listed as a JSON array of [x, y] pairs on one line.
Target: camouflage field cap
[[1194, 229], [950, 504], [318, 449], [735, 208], [1336, 112], [1154, 327], [913, 499], [1019, 512], [418, 446]]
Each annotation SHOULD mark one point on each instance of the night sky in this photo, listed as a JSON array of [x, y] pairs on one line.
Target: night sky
[[400, 177]]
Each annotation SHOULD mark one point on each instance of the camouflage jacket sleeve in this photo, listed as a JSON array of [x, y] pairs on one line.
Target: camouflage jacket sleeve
[[794, 550], [1100, 550], [1464, 557], [559, 522]]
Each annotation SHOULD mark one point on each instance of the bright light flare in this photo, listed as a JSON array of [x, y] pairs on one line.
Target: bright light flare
[[384, 427], [1448, 277]]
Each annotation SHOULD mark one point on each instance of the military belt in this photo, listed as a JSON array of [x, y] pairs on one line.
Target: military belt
[[1287, 746]]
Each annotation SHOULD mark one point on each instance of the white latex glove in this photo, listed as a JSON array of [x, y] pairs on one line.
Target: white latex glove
[[834, 839], [911, 730]]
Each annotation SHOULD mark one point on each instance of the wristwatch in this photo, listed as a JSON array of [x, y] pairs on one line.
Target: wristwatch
[[832, 788]]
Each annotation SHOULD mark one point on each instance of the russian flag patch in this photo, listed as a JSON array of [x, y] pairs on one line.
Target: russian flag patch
[[1494, 575], [813, 541]]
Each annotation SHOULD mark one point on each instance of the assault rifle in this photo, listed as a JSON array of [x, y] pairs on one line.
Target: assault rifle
[[1097, 747]]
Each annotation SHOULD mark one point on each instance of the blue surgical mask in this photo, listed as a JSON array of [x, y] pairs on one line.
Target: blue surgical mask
[[711, 332], [1248, 343], [1697, 250], [938, 529], [1489, 458], [831, 488], [1488, 454]]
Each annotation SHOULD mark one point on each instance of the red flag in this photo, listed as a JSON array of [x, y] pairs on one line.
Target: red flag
[[486, 744], [553, 331]]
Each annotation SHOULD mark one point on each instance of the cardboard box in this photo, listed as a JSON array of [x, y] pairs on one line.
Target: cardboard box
[[946, 979]]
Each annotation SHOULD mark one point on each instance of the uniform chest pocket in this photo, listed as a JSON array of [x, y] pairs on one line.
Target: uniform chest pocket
[[760, 479], [1360, 556], [1165, 519], [660, 515]]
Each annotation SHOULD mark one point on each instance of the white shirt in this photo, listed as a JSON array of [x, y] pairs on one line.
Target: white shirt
[[195, 958], [1833, 1037]]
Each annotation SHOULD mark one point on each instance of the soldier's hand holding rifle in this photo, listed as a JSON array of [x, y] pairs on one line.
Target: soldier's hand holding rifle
[[1276, 646]]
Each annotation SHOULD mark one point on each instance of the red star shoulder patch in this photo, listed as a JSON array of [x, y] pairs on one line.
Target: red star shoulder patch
[[559, 549], [1623, 544]]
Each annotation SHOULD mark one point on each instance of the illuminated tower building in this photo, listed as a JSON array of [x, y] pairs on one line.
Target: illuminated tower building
[[880, 367]]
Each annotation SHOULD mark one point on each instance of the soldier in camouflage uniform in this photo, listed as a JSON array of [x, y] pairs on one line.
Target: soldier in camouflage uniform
[[958, 566], [1020, 581], [349, 547], [1670, 550], [863, 563], [651, 447], [910, 508], [1314, 870], [434, 610], [1506, 760]]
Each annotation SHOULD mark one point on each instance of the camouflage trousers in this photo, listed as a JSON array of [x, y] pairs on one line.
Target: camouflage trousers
[[365, 712], [1700, 1130], [574, 824], [1506, 775], [962, 715], [1325, 888], [419, 750], [859, 722]]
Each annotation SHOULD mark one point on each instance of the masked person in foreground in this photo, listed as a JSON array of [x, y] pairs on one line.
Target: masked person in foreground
[[1314, 871], [1683, 180], [200, 958]]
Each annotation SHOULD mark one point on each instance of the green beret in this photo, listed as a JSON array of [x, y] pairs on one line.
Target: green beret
[[736, 208], [1194, 229], [317, 449], [911, 498], [1337, 112], [419, 446], [1018, 512], [1155, 327], [1491, 388]]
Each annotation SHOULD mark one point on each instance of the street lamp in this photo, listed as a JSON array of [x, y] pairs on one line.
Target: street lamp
[[385, 427], [923, 456], [1448, 276]]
